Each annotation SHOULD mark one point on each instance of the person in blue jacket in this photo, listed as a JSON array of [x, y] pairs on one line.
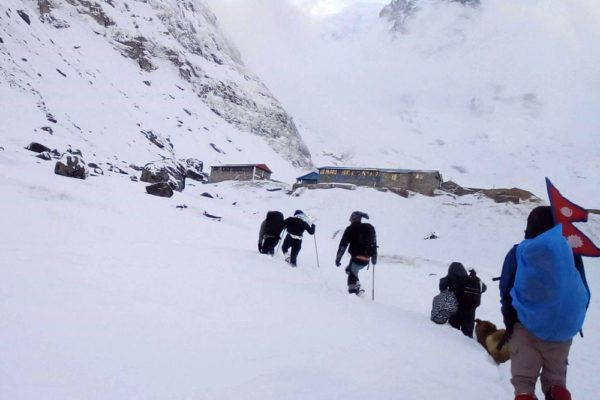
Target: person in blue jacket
[[530, 353]]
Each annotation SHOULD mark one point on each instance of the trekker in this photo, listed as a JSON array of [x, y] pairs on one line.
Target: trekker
[[363, 248], [295, 226], [468, 289], [270, 232], [544, 296]]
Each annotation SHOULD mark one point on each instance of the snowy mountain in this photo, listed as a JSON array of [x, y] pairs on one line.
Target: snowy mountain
[[78, 73], [500, 94]]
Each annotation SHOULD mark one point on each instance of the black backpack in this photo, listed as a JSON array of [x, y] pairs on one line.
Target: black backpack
[[470, 294], [367, 241], [274, 223]]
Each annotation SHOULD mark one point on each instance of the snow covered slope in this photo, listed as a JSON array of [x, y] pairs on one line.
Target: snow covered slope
[[498, 95], [109, 293], [103, 76]]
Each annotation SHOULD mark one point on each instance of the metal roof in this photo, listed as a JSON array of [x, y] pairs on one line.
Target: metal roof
[[390, 170], [259, 166]]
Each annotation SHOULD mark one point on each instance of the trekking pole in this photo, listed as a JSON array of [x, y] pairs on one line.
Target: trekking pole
[[279, 243], [316, 250], [373, 284]]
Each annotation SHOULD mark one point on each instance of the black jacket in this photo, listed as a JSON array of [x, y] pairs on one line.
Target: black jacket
[[296, 226], [351, 237]]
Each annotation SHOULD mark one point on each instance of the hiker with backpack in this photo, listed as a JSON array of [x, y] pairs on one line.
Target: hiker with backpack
[[362, 240], [544, 296], [295, 227], [468, 289], [270, 232]]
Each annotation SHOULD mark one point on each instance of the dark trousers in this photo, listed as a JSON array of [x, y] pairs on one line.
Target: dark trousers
[[464, 320], [352, 271], [295, 244], [269, 243]]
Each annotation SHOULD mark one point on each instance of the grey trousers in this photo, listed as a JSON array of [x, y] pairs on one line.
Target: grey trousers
[[530, 354]]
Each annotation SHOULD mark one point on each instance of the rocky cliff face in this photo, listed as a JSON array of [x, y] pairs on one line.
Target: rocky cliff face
[[71, 55]]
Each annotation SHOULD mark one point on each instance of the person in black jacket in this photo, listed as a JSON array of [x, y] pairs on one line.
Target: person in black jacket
[[270, 232], [363, 249], [468, 288], [295, 227]]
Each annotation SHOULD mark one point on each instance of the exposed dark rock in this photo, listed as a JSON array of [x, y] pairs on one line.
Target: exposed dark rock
[[194, 170], [51, 118], [206, 194], [133, 178], [60, 72], [514, 195], [47, 129], [135, 167], [137, 49], [218, 150], [94, 10], [37, 147], [168, 170], [115, 168], [24, 16], [211, 216], [96, 168], [71, 166], [157, 140], [181, 206], [147, 83], [76, 152], [162, 189], [45, 156]]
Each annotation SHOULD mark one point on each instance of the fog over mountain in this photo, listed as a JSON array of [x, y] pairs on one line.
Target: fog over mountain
[[495, 94]]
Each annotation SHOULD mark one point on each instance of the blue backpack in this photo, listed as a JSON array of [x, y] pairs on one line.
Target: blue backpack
[[549, 294]]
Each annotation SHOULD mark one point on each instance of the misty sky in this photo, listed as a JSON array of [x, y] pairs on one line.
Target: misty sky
[[311, 7]]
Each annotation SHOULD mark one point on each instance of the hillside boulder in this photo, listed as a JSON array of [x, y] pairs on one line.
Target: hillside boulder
[[168, 171], [71, 166], [37, 147], [161, 189], [193, 169]]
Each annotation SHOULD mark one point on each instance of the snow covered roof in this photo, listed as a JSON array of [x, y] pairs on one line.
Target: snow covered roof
[[259, 166], [389, 170]]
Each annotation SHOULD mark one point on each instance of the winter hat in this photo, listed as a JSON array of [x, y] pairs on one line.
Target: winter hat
[[298, 212], [357, 215], [540, 220], [457, 269]]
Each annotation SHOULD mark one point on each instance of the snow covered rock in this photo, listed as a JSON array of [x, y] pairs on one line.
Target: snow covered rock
[[165, 171], [72, 166], [193, 170]]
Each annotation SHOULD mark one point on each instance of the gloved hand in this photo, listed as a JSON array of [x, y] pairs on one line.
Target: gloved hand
[[510, 319], [337, 262], [260, 248], [505, 338], [313, 228], [374, 259]]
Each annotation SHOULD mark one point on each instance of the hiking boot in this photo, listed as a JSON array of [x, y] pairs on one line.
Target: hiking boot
[[354, 288], [558, 393], [525, 397]]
